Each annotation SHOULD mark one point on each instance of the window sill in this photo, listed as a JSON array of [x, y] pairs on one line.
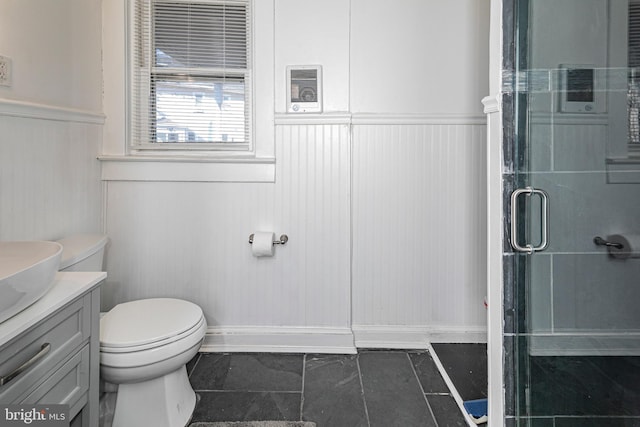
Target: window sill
[[624, 170], [192, 169]]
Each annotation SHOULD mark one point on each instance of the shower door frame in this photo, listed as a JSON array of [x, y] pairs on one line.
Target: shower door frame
[[503, 107], [501, 51], [500, 108]]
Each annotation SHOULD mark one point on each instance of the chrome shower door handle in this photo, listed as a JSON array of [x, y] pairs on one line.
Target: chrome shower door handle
[[544, 220]]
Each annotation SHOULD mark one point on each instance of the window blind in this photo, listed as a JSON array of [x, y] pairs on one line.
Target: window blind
[[634, 33], [191, 76]]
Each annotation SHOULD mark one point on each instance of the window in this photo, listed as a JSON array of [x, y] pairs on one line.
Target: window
[[633, 93], [634, 34], [190, 82]]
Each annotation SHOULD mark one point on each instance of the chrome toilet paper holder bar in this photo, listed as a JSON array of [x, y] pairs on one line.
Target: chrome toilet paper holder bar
[[283, 239]]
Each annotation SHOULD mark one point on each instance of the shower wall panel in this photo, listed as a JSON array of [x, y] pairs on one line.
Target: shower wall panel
[[576, 288]]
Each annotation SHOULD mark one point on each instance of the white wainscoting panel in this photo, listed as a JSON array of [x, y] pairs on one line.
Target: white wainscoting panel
[[190, 240], [419, 227], [411, 219], [49, 174]]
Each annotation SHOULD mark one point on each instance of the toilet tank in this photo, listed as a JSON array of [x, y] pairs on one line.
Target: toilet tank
[[83, 252]]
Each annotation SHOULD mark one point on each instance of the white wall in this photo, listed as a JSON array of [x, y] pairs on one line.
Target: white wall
[[574, 32], [55, 50], [314, 33], [413, 56], [418, 73], [370, 186], [50, 120]]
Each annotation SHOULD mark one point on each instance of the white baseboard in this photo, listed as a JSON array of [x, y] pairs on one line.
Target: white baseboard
[[412, 337], [586, 344], [334, 340], [279, 340]]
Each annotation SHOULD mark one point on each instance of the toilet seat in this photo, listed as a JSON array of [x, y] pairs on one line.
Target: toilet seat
[[147, 332], [150, 346], [133, 360], [149, 323]]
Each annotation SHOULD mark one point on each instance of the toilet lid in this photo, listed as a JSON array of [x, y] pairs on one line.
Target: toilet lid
[[147, 321]]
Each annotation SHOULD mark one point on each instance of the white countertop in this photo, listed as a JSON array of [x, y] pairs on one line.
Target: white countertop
[[67, 287]]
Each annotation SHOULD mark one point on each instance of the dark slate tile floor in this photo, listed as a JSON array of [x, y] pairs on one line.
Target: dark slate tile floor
[[384, 388], [466, 366]]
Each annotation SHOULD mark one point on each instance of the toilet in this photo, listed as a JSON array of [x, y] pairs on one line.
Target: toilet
[[144, 347]]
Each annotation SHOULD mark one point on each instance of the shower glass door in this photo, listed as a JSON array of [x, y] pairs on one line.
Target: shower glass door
[[573, 198]]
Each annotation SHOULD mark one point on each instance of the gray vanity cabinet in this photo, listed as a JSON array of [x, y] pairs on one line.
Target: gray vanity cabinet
[[55, 360]]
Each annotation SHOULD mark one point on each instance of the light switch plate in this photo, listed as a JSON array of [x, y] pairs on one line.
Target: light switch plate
[[5, 71]]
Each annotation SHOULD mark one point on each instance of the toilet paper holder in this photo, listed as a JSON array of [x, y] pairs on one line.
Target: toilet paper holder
[[283, 239]]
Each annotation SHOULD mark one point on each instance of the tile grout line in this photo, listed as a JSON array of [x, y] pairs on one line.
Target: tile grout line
[[207, 390], [454, 392], [424, 395], [304, 371], [194, 365], [306, 358], [364, 400]]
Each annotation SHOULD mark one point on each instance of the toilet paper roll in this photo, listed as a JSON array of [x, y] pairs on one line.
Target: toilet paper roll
[[263, 243], [630, 246]]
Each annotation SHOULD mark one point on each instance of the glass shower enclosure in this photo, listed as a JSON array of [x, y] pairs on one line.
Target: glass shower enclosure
[[571, 184]]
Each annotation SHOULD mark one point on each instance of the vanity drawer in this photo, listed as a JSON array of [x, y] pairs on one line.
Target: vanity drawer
[[67, 386], [64, 332]]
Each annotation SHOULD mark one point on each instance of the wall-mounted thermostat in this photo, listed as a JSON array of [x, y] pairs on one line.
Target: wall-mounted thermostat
[[579, 89], [304, 88]]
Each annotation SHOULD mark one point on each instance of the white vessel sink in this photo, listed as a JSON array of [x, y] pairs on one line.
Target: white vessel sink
[[27, 272]]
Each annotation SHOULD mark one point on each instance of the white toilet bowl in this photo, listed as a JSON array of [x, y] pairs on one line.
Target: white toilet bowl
[[144, 346], [147, 360]]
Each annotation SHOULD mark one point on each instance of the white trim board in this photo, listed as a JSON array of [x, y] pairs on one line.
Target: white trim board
[[312, 118], [577, 119], [378, 119], [412, 337], [417, 119], [32, 110], [334, 340], [492, 104], [279, 340], [132, 168], [596, 344]]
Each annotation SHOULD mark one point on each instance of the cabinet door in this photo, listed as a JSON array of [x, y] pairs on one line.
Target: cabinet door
[[63, 333], [66, 386]]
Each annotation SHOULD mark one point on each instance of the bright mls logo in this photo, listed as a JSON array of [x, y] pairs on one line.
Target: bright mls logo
[[34, 415]]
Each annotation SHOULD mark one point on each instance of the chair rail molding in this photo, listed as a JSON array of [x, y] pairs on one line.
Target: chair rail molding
[[33, 110]]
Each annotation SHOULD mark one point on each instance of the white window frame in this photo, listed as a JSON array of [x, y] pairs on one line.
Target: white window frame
[[633, 59], [634, 32], [121, 163], [139, 134]]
